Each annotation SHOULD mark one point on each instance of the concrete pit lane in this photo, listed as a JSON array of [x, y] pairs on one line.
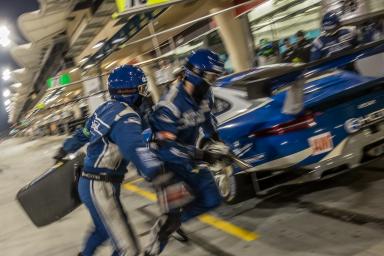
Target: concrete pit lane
[[342, 216]]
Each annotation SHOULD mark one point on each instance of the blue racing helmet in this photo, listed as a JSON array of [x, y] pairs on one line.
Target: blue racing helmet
[[127, 84], [203, 66], [331, 21]]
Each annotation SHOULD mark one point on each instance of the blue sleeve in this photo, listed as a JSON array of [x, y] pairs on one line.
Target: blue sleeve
[[210, 125], [127, 135], [78, 139], [316, 50], [163, 121]]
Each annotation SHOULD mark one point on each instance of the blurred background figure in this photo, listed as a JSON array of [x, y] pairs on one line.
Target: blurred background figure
[[371, 31], [302, 49], [267, 53], [287, 55], [334, 38]]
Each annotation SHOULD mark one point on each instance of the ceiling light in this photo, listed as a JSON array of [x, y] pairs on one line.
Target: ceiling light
[[84, 59], [7, 102], [119, 40], [111, 64], [98, 45], [4, 36], [74, 70], [6, 74], [99, 56], [89, 66], [6, 93], [16, 85]]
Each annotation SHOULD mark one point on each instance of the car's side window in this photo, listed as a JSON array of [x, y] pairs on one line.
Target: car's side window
[[220, 106]]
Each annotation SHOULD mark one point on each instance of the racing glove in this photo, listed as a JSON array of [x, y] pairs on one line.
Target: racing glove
[[60, 154], [217, 147], [212, 151]]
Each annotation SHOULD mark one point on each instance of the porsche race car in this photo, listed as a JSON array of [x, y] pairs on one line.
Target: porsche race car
[[298, 123]]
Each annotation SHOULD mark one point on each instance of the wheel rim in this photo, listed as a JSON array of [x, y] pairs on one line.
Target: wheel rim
[[223, 182]]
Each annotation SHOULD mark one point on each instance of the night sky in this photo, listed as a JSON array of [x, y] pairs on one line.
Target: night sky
[[9, 12]]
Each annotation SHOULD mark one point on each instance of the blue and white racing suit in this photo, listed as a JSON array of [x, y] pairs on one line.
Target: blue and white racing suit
[[327, 44], [179, 114], [114, 134]]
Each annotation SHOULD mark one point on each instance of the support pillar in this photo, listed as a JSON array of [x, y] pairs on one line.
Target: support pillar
[[150, 74], [235, 39]]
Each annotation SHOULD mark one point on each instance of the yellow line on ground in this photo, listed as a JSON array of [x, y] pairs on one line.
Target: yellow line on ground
[[228, 227], [136, 180], [144, 193], [209, 219]]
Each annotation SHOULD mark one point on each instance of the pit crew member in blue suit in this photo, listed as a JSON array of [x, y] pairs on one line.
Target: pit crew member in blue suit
[[334, 38], [114, 134], [177, 120]]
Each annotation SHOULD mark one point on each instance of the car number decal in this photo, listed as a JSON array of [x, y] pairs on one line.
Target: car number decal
[[321, 143]]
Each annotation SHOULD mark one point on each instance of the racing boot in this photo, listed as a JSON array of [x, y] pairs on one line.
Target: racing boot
[[180, 236], [160, 232]]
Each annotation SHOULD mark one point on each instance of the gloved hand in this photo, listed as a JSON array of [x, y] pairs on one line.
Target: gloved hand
[[216, 147], [213, 152], [60, 154]]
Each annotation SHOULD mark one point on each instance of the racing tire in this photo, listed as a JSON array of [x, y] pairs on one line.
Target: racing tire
[[234, 188]]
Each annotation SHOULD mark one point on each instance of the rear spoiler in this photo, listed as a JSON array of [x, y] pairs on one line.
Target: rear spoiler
[[265, 81]]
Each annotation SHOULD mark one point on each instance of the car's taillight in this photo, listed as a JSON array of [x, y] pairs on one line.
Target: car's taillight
[[302, 122]]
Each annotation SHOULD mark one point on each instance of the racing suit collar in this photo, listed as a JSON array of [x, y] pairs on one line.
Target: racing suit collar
[[189, 97]]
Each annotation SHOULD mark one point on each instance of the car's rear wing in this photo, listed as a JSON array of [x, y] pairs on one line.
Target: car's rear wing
[[264, 82], [267, 81]]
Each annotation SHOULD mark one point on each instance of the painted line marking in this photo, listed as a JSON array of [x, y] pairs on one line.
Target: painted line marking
[[134, 180], [228, 227], [144, 193], [208, 219]]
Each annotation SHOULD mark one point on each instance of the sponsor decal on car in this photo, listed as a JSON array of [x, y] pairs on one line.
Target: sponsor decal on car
[[356, 124], [257, 158], [241, 151], [366, 104], [321, 143]]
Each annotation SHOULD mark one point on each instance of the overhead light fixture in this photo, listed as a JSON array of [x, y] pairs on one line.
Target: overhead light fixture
[[16, 85], [7, 102], [84, 59], [99, 44], [6, 93], [4, 36], [119, 40], [99, 56], [6, 74], [89, 66], [110, 64], [74, 70]]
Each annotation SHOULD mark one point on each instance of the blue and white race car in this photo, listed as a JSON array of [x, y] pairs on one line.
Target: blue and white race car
[[295, 124]]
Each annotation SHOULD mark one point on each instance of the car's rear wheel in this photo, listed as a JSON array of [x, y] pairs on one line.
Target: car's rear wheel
[[234, 188]]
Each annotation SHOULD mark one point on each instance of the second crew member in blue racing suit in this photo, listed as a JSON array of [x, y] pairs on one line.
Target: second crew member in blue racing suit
[[114, 134], [178, 119], [334, 38]]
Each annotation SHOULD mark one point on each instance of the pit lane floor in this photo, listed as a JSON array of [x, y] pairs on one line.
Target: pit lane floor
[[340, 216]]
